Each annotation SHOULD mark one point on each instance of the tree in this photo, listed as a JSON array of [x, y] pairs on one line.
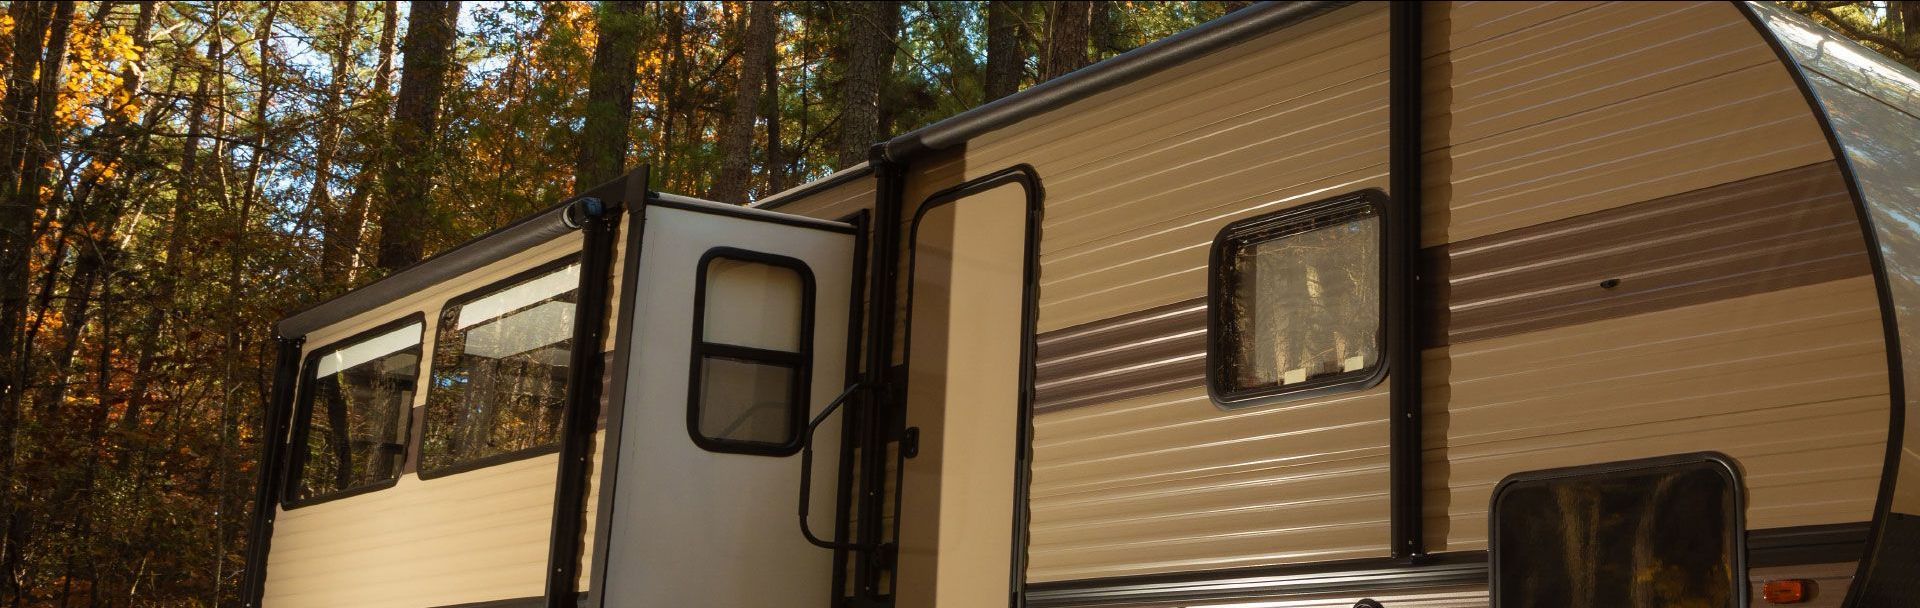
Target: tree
[[616, 58], [405, 213], [32, 89], [871, 28], [1006, 47], [736, 140], [205, 168], [1068, 24], [332, 127], [1106, 31], [1892, 30]]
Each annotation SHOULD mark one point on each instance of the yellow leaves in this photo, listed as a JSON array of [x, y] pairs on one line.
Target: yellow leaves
[[6, 45], [94, 89], [102, 171]]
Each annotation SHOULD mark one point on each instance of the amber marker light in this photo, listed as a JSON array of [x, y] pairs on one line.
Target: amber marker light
[[1789, 591]]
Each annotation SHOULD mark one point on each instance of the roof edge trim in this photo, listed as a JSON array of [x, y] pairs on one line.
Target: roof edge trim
[[491, 247]]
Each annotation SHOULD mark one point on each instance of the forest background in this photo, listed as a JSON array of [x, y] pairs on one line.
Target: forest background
[[175, 176]]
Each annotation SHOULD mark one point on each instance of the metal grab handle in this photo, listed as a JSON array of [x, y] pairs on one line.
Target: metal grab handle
[[806, 474]]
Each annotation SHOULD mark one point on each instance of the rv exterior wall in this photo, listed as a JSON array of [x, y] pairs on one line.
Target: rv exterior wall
[[1658, 149]]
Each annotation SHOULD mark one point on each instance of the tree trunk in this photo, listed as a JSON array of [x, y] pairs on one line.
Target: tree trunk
[[675, 15], [332, 221], [1006, 47], [871, 27], [35, 153], [97, 246], [405, 214], [736, 139], [168, 274], [1106, 24], [776, 166], [342, 250], [1067, 27], [232, 344], [16, 226], [1910, 26], [23, 139], [616, 61], [30, 20]]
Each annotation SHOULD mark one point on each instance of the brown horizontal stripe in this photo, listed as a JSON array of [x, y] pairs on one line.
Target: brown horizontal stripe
[[1782, 230], [1154, 350], [1786, 229]]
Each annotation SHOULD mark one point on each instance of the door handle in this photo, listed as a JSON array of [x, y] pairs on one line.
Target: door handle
[[806, 474]]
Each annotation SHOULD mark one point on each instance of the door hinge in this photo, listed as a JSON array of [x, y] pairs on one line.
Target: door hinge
[[910, 442]]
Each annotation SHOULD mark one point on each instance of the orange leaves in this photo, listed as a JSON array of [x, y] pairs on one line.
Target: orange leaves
[[94, 89], [6, 42]]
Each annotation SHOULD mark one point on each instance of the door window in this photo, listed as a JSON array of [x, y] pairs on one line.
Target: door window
[[753, 330]]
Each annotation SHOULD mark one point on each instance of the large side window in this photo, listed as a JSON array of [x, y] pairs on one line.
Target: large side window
[[352, 420], [1295, 302], [499, 384], [752, 346], [1640, 534]]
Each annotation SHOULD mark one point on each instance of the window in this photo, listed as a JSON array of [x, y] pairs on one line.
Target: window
[[1639, 534], [500, 359], [354, 408], [1295, 303], [752, 347]]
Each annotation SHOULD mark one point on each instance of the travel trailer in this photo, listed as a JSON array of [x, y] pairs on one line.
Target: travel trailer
[[1319, 304]]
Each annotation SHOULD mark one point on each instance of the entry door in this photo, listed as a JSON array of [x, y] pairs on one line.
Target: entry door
[[968, 363], [738, 337]]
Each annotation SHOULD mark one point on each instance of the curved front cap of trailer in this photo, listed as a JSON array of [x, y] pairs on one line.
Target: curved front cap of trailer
[[1870, 107]]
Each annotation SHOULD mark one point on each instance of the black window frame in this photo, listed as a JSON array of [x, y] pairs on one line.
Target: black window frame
[[801, 363], [425, 472], [1250, 231], [298, 455], [1715, 462]]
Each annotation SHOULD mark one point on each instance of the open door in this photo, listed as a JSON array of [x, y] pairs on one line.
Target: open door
[[968, 393], [735, 335]]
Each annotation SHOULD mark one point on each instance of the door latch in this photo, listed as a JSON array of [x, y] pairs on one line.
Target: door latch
[[910, 442]]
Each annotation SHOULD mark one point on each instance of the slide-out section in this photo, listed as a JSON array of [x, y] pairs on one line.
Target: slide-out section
[[738, 339]]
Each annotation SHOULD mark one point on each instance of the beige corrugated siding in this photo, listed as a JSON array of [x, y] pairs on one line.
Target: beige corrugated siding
[[1138, 181], [1171, 483], [832, 203], [1792, 384], [1552, 112], [1141, 178], [470, 537]]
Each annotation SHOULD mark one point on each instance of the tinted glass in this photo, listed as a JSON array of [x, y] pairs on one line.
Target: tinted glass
[[500, 361], [357, 402], [1651, 538], [753, 305], [1300, 302], [746, 401]]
